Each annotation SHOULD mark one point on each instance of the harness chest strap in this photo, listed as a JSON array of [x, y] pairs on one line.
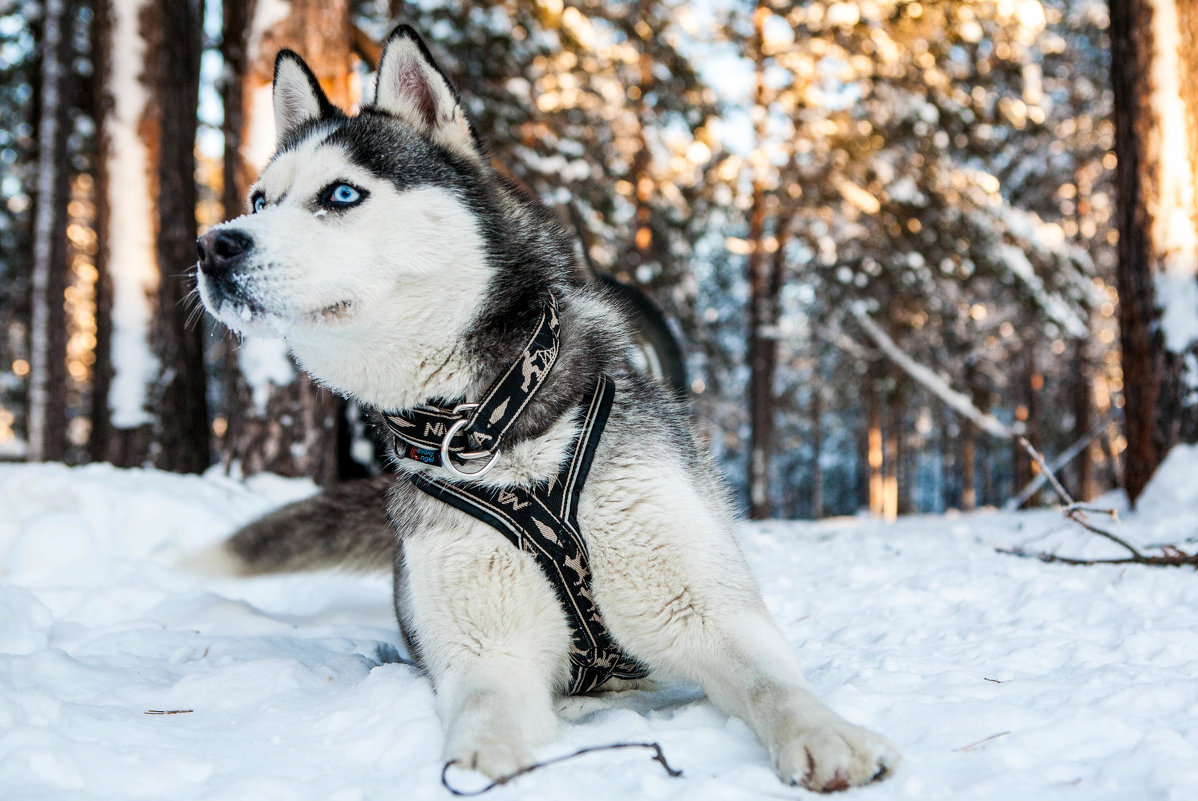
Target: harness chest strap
[[543, 521]]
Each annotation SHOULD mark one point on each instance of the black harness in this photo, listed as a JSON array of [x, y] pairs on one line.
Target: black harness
[[541, 520]]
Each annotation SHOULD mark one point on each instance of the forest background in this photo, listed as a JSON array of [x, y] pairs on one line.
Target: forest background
[[892, 236]]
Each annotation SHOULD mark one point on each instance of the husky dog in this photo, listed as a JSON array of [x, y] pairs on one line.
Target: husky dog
[[402, 271]]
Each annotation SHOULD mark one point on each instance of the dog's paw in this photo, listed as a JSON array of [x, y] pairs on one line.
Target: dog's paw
[[835, 756], [494, 760]]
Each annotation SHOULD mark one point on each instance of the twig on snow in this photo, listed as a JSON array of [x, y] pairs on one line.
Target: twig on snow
[[658, 756], [1171, 555], [983, 740]]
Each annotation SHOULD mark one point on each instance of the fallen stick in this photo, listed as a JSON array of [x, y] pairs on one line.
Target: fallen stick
[[1171, 555]]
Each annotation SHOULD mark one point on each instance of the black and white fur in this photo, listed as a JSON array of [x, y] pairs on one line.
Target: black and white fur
[[426, 286]]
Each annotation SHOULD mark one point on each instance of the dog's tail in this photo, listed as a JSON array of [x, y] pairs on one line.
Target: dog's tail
[[344, 526]]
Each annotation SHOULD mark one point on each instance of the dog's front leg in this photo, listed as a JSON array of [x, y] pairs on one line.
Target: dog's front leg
[[752, 674], [493, 639], [679, 596]]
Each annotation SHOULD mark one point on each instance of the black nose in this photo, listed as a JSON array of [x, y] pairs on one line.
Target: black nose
[[221, 251]]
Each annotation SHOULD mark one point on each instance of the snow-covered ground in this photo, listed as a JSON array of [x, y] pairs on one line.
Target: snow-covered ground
[[998, 677]]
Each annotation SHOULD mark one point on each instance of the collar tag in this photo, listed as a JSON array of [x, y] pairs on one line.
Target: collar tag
[[425, 455]]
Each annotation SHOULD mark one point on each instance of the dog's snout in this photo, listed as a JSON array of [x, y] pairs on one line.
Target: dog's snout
[[220, 251]]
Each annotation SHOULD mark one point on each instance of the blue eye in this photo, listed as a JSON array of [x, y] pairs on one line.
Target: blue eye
[[259, 203], [342, 195]]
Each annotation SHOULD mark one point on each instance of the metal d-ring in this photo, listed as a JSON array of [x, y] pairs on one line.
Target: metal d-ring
[[447, 459]]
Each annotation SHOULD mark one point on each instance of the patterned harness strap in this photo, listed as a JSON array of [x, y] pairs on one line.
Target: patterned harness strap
[[447, 435], [543, 521]]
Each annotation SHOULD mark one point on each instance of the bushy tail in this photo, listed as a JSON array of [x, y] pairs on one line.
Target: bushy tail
[[344, 526]]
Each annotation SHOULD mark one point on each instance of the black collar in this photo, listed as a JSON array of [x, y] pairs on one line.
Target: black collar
[[465, 432]]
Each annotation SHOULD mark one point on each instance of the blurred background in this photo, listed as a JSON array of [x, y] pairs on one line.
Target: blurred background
[[884, 234]]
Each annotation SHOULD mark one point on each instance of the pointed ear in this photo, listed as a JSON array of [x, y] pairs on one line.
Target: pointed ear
[[298, 97], [412, 87]]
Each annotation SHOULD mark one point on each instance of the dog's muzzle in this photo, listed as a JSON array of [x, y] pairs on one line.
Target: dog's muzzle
[[222, 251]]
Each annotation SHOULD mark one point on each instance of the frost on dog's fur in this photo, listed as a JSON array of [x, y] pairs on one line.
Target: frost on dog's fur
[[424, 282]]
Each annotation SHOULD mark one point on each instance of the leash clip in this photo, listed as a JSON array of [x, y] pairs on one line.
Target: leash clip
[[467, 456]]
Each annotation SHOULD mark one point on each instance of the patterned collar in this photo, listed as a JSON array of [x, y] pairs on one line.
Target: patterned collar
[[452, 435]]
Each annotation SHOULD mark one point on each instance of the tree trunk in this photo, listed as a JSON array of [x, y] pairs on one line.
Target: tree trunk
[[817, 442], [181, 414], [892, 453], [969, 466], [947, 460], [126, 259], [642, 182], [1156, 141], [47, 403], [762, 341], [1021, 463], [1085, 487], [874, 443], [278, 420], [149, 403]]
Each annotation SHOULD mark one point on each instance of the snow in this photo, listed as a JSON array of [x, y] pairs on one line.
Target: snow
[[264, 363], [998, 677]]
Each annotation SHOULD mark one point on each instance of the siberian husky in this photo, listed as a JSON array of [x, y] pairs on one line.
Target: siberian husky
[[404, 272]]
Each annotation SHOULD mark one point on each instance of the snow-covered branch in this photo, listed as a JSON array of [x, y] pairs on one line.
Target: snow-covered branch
[[957, 401]]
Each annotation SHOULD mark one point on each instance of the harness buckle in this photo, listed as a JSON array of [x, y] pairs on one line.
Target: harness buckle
[[467, 456]]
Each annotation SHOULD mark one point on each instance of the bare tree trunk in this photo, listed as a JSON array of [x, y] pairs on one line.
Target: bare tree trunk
[[283, 422], [969, 465], [903, 484], [862, 470], [149, 403], [1025, 413], [762, 344], [947, 460], [180, 397], [1085, 486], [817, 441], [126, 259], [1156, 141], [641, 181], [874, 446], [47, 406], [99, 442], [892, 454]]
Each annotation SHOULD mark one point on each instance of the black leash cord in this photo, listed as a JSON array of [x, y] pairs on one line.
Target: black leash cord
[[659, 756]]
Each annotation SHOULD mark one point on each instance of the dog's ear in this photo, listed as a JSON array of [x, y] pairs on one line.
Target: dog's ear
[[298, 97], [412, 87]]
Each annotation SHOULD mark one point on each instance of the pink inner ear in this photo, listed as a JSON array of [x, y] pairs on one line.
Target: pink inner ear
[[412, 88]]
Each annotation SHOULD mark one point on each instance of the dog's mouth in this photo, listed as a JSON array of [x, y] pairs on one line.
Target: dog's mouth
[[248, 317], [247, 314], [333, 313]]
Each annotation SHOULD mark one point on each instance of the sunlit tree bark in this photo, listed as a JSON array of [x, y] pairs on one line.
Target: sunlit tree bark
[[150, 404], [1156, 139], [278, 419], [47, 377]]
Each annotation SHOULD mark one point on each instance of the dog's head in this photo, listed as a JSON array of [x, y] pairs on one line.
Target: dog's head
[[359, 225]]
